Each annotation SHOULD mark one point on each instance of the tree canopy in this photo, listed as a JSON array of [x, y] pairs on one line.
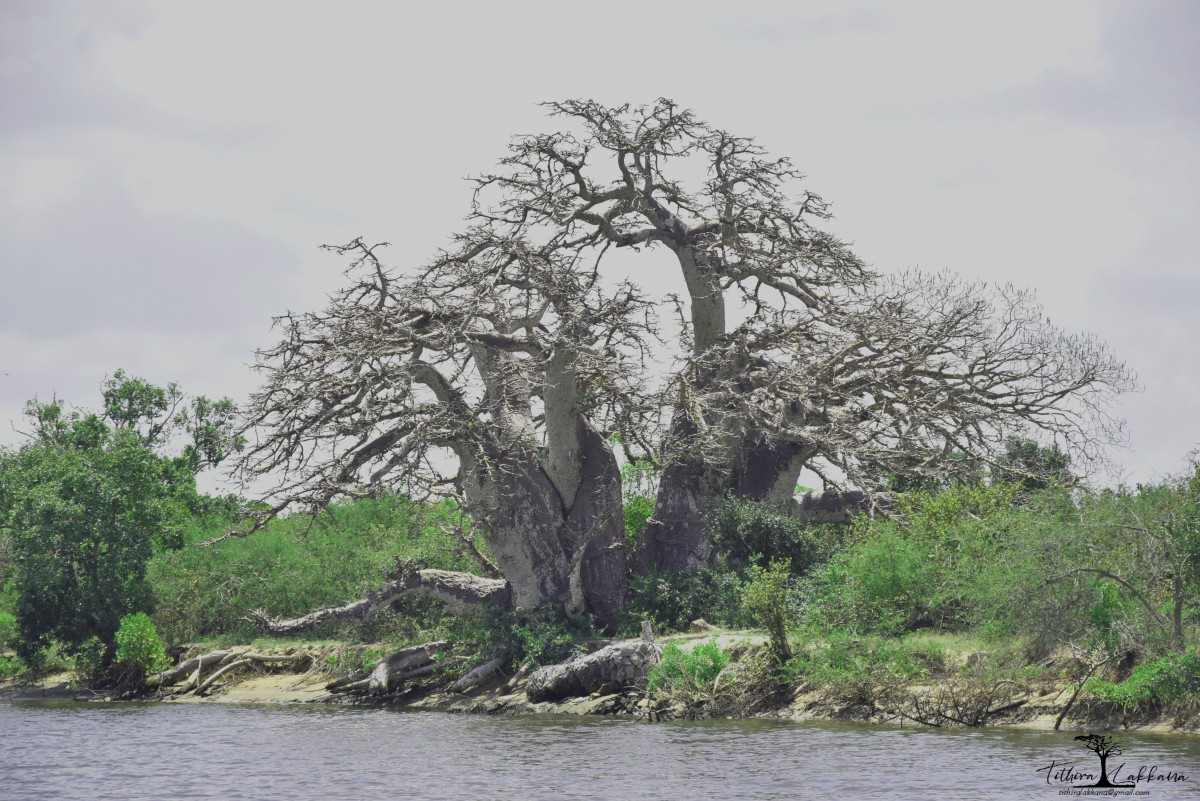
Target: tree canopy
[[91, 496], [502, 370]]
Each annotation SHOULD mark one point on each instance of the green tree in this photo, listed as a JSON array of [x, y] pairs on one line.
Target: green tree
[[89, 499], [1033, 466], [766, 597], [1158, 532]]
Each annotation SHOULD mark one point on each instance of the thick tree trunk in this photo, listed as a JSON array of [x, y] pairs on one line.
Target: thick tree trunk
[[676, 536], [522, 518], [596, 523], [765, 471], [553, 551]]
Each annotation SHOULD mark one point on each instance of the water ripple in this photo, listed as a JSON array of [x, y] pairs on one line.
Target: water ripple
[[161, 751]]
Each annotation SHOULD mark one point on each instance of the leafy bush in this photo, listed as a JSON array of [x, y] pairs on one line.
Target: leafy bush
[[693, 670], [8, 630], [1172, 678], [12, 667], [88, 658], [139, 646], [957, 559], [543, 637], [766, 597], [639, 486], [638, 509], [671, 601], [756, 532], [879, 585]]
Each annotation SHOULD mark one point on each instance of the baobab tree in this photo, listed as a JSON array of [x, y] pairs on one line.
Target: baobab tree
[[510, 368]]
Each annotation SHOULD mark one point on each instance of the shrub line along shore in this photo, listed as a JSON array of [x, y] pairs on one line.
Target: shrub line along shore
[[959, 696]]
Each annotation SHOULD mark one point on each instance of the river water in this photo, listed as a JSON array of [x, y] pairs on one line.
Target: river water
[[214, 751]]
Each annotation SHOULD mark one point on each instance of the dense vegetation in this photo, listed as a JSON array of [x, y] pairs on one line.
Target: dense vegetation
[[1108, 581], [88, 500]]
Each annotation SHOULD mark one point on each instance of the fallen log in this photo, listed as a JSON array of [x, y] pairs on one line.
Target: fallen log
[[390, 671], [222, 661], [613, 668], [173, 676], [517, 678], [219, 672], [479, 675], [343, 684], [463, 593], [396, 680]]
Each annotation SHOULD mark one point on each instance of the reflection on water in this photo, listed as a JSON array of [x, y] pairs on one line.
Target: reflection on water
[[161, 751]]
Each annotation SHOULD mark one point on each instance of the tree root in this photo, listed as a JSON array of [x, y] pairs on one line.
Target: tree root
[[223, 662]]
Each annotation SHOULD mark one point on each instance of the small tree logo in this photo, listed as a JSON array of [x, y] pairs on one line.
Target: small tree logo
[[1104, 748]]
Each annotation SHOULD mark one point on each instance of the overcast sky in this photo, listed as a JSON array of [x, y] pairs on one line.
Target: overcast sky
[[168, 169]]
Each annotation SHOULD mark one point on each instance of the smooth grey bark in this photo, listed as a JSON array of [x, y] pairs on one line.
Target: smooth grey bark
[[403, 665], [675, 537], [551, 553]]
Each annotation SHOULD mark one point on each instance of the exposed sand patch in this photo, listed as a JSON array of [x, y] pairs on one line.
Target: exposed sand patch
[[264, 688]]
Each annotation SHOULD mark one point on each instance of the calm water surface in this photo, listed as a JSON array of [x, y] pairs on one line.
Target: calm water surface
[[162, 751]]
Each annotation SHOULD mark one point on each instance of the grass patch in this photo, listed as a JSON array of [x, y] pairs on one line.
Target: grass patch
[[842, 657], [689, 671]]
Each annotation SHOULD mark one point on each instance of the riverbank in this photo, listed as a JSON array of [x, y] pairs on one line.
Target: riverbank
[[957, 696]]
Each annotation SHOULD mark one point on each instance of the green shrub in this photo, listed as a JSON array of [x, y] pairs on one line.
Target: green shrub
[[756, 532], [963, 558], [671, 601], [1170, 679], [692, 670], [12, 667], [766, 597], [88, 658], [542, 637], [639, 486], [638, 509], [139, 646], [881, 584], [548, 636], [8, 630]]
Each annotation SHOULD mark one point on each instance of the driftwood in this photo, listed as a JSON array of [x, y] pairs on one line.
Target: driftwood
[[518, 677], [613, 668], [223, 662], [392, 671], [479, 675], [187, 668]]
